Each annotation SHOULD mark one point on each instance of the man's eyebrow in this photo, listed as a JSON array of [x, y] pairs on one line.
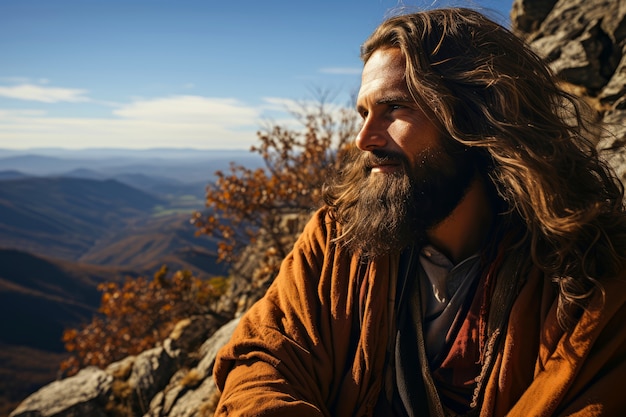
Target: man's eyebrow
[[400, 98], [395, 99]]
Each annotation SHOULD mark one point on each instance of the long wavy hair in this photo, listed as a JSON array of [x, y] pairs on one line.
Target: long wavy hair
[[485, 88]]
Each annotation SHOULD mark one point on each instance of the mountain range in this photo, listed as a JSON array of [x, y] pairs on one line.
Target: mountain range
[[182, 165], [71, 220]]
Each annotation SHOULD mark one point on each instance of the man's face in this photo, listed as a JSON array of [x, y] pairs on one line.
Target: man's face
[[411, 177], [392, 121]]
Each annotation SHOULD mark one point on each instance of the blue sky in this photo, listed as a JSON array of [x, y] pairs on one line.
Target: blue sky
[[200, 74]]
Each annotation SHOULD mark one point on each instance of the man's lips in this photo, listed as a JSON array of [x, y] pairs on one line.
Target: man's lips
[[385, 167], [383, 164]]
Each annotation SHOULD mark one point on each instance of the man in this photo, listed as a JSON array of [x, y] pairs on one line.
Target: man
[[470, 256]]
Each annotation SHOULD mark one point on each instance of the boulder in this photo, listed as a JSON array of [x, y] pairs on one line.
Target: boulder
[[84, 394]]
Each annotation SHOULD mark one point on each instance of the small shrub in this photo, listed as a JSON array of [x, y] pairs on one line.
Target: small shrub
[[136, 315]]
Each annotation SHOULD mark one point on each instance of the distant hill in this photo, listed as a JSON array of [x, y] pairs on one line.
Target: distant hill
[[34, 164], [164, 187], [65, 217], [151, 242], [42, 296], [24, 370], [39, 298], [146, 182], [184, 165], [12, 175], [68, 223], [84, 173]]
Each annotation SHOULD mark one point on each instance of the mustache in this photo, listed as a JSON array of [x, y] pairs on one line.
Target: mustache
[[368, 160]]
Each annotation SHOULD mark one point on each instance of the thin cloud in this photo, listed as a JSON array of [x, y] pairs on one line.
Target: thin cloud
[[280, 104], [79, 133], [285, 111], [32, 92], [180, 121], [190, 110], [9, 114], [287, 105], [15, 80], [341, 71], [188, 121]]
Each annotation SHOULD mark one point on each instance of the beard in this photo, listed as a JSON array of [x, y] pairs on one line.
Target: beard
[[392, 211]]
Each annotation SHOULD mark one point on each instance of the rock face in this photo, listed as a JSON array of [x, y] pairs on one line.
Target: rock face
[[585, 43], [89, 389], [173, 379]]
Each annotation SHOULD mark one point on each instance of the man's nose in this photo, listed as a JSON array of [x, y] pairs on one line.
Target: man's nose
[[370, 137]]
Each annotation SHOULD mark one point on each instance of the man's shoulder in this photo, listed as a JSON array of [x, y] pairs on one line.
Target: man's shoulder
[[319, 236], [322, 222]]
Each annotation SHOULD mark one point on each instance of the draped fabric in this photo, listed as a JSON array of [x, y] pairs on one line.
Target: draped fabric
[[317, 343]]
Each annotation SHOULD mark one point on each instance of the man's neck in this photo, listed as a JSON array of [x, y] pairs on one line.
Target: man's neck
[[464, 231]]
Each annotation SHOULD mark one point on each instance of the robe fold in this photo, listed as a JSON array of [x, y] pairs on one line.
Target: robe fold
[[316, 343]]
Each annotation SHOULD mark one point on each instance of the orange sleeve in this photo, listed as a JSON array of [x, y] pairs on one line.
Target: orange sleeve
[[577, 373], [276, 362], [599, 387]]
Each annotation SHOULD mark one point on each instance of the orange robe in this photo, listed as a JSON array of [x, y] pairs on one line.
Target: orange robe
[[311, 348]]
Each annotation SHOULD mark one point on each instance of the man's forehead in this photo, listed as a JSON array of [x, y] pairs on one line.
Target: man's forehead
[[384, 60], [384, 76]]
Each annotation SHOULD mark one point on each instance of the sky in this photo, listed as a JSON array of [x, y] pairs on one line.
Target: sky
[[201, 74]]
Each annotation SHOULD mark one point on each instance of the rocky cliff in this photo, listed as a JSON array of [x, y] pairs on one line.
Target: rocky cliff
[[583, 40]]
